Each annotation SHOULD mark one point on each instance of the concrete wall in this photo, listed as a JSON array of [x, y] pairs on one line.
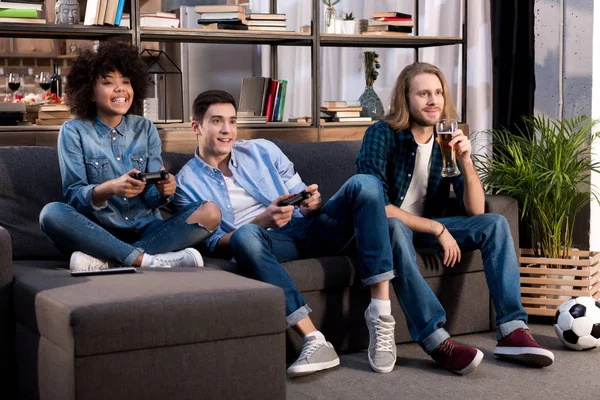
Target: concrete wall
[[577, 74]]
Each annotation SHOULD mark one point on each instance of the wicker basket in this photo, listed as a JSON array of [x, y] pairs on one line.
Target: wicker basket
[[547, 282]]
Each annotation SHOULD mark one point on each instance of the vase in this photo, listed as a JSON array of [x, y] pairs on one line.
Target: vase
[[329, 20], [371, 104]]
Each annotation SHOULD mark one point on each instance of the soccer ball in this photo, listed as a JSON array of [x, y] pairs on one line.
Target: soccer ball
[[577, 323]]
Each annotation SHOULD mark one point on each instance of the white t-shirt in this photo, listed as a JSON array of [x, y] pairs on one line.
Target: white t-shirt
[[244, 206], [414, 201]]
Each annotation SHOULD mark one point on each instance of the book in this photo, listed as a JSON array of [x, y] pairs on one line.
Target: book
[[245, 114], [270, 100], [23, 20], [252, 95], [101, 12], [336, 103], [18, 12], [111, 11], [385, 33], [349, 119], [156, 22], [394, 23], [224, 21], [265, 16], [223, 8], [384, 14], [158, 14], [225, 25], [281, 104], [268, 28], [53, 121], [340, 114], [54, 107], [222, 15], [54, 114], [333, 109], [391, 19], [119, 15], [92, 8], [265, 23], [22, 6], [389, 28]]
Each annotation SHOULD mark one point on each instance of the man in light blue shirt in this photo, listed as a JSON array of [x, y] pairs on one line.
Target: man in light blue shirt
[[248, 179]]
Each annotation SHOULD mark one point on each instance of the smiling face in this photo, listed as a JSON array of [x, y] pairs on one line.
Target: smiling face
[[113, 96], [216, 133], [425, 100]]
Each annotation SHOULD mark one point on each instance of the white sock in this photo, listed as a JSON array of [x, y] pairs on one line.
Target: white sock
[[317, 335], [380, 307], [146, 260]]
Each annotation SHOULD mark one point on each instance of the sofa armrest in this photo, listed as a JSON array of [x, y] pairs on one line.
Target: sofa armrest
[[7, 323], [509, 208]]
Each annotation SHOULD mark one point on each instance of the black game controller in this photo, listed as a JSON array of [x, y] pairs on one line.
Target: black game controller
[[295, 199], [151, 177]]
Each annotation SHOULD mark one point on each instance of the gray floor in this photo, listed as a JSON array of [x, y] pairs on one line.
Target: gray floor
[[574, 375]]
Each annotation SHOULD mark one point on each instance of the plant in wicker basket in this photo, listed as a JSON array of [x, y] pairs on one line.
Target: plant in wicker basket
[[547, 170]]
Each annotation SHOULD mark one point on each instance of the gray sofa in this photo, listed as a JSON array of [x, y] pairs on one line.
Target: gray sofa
[[187, 334]]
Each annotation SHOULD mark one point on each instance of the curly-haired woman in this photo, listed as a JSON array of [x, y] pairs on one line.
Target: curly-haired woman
[[110, 218]]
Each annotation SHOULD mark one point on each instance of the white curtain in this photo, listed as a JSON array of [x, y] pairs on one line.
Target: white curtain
[[342, 69]]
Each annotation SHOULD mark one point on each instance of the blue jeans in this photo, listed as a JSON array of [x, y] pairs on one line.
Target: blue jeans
[[425, 315], [353, 217], [70, 231]]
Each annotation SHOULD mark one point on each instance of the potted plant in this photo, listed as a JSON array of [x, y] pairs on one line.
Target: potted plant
[[349, 24], [546, 168]]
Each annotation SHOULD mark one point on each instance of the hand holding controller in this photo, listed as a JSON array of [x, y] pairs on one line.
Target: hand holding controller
[[295, 199], [151, 177]]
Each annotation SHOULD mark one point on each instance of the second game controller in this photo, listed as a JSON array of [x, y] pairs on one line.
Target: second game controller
[[151, 177], [295, 199]]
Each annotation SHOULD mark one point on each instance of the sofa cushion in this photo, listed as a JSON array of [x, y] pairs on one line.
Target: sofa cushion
[[151, 308], [329, 164], [29, 179]]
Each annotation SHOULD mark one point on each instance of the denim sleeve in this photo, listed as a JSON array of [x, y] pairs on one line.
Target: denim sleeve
[[151, 195], [75, 186], [286, 170], [211, 242], [373, 155]]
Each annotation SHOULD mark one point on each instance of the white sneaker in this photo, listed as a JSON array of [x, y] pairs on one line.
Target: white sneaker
[[315, 356], [186, 258], [382, 346], [84, 262]]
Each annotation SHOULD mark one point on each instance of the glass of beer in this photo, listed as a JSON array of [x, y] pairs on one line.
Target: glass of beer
[[445, 128]]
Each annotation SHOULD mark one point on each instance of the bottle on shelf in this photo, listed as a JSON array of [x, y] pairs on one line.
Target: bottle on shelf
[[56, 82]]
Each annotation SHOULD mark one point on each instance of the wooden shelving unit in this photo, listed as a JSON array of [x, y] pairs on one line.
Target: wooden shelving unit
[[315, 40]]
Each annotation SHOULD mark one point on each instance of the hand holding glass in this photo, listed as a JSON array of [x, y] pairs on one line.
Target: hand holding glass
[[445, 128]]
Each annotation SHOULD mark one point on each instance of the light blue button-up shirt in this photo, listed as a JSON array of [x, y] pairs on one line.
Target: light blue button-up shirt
[[91, 152], [260, 168]]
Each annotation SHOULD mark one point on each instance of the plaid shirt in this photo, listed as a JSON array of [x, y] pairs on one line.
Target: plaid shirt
[[390, 156]]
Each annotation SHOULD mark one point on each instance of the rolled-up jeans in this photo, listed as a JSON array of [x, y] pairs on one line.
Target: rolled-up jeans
[[71, 231], [354, 218], [424, 313]]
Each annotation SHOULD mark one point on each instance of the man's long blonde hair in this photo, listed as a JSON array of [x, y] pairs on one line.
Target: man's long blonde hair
[[399, 116]]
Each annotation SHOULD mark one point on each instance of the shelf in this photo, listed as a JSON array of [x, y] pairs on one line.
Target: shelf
[[54, 31], [333, 40], [191, 35]]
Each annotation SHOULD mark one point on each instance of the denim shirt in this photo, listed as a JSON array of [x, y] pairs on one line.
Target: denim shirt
[[259, 167], [390, 156], [91, 152]]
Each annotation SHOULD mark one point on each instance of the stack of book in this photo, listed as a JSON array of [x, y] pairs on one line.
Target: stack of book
[[248, 117], [231, 17], [390, 23], [342, 111], [266, 22], [22, 11], [104, 12], [264, 97], [154, 19], [53, 114]]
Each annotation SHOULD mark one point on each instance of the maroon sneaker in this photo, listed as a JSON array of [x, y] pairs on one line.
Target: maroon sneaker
[[521, 347], [457, 358]]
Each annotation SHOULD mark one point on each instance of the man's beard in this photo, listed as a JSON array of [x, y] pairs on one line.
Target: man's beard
[[420, 121]]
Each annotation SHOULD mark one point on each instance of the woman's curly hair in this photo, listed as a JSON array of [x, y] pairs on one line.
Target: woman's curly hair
[[85, 69]]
